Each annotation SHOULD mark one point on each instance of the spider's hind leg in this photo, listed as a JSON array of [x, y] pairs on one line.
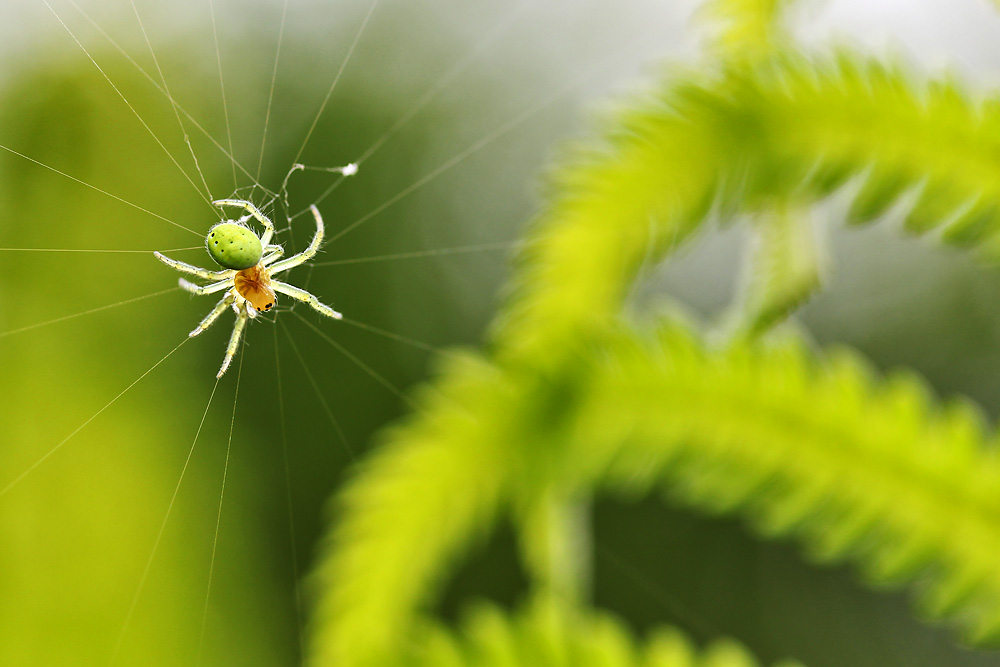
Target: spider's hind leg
[[234, 343], [214, 315], [309, 252]]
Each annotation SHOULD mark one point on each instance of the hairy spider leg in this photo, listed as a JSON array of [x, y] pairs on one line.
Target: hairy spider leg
[[305, 297], [234, 342], [207, 289], [250, 311], [306, 254], [265, 240], [276, 253], [220, 308], [184, 267]]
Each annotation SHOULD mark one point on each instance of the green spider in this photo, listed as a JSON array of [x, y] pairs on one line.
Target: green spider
[[250, 262]]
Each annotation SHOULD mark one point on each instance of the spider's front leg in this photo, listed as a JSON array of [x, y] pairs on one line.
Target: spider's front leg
[[306, 254], [272, 253], [265, 240], [184, 267]]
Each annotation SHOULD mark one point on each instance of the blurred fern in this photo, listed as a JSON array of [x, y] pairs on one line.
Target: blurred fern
[[548, 634], [574, 399]]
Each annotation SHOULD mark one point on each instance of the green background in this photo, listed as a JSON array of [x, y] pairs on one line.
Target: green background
[[77, 532]]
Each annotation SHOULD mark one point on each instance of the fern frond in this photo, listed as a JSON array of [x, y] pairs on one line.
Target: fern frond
[[785, 269], [417, 503], [746, 28], [784, 130], [548, 634], [855, 468]]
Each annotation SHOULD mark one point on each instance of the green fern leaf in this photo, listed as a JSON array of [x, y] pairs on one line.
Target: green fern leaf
[[781, 131], [852, 467], [416, 504], [974, 225], [785, 269], [549, 634], [746, 28], [882, 187], [820, 450], [813, 449]]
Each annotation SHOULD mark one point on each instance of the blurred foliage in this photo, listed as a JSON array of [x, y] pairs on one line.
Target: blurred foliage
[[548, 634], [572, 398]]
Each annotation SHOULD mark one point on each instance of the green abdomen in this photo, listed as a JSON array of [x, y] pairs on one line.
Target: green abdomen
[[233, 246]]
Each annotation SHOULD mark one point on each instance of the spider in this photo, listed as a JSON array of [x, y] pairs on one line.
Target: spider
[[249, 263]]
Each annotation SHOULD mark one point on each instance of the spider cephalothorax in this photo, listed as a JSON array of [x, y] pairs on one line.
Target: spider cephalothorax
[[254, 285], [249, 263]]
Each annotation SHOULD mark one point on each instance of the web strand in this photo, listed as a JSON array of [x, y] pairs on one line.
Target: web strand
[[103, 192], [427, 347], [222, 495], [448, 164], [69, 437], [229, 154], [463, 63], [669, 602], [207, 200], [86, 312], [99, 251], [173, 105], [336, 80], [270, 94], [436, 252], [288, 499], [222, 87], [159, 534], [357, 362], [435, 89], [319, 394], [456, 159]]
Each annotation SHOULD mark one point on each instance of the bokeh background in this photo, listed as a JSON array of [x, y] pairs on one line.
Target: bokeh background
[[106, 443]]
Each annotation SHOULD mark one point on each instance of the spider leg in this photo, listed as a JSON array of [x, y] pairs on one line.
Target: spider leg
[[306, 254], [234, 342], [265, 240], [306, 297], [214, 315], [205, 289], [195, 270], [276, 253]]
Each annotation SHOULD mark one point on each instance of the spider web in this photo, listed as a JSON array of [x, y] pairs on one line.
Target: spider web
[[118, 441]]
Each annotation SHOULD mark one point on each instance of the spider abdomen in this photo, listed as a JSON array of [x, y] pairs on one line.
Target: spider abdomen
[[234, 246], [254, 285]]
